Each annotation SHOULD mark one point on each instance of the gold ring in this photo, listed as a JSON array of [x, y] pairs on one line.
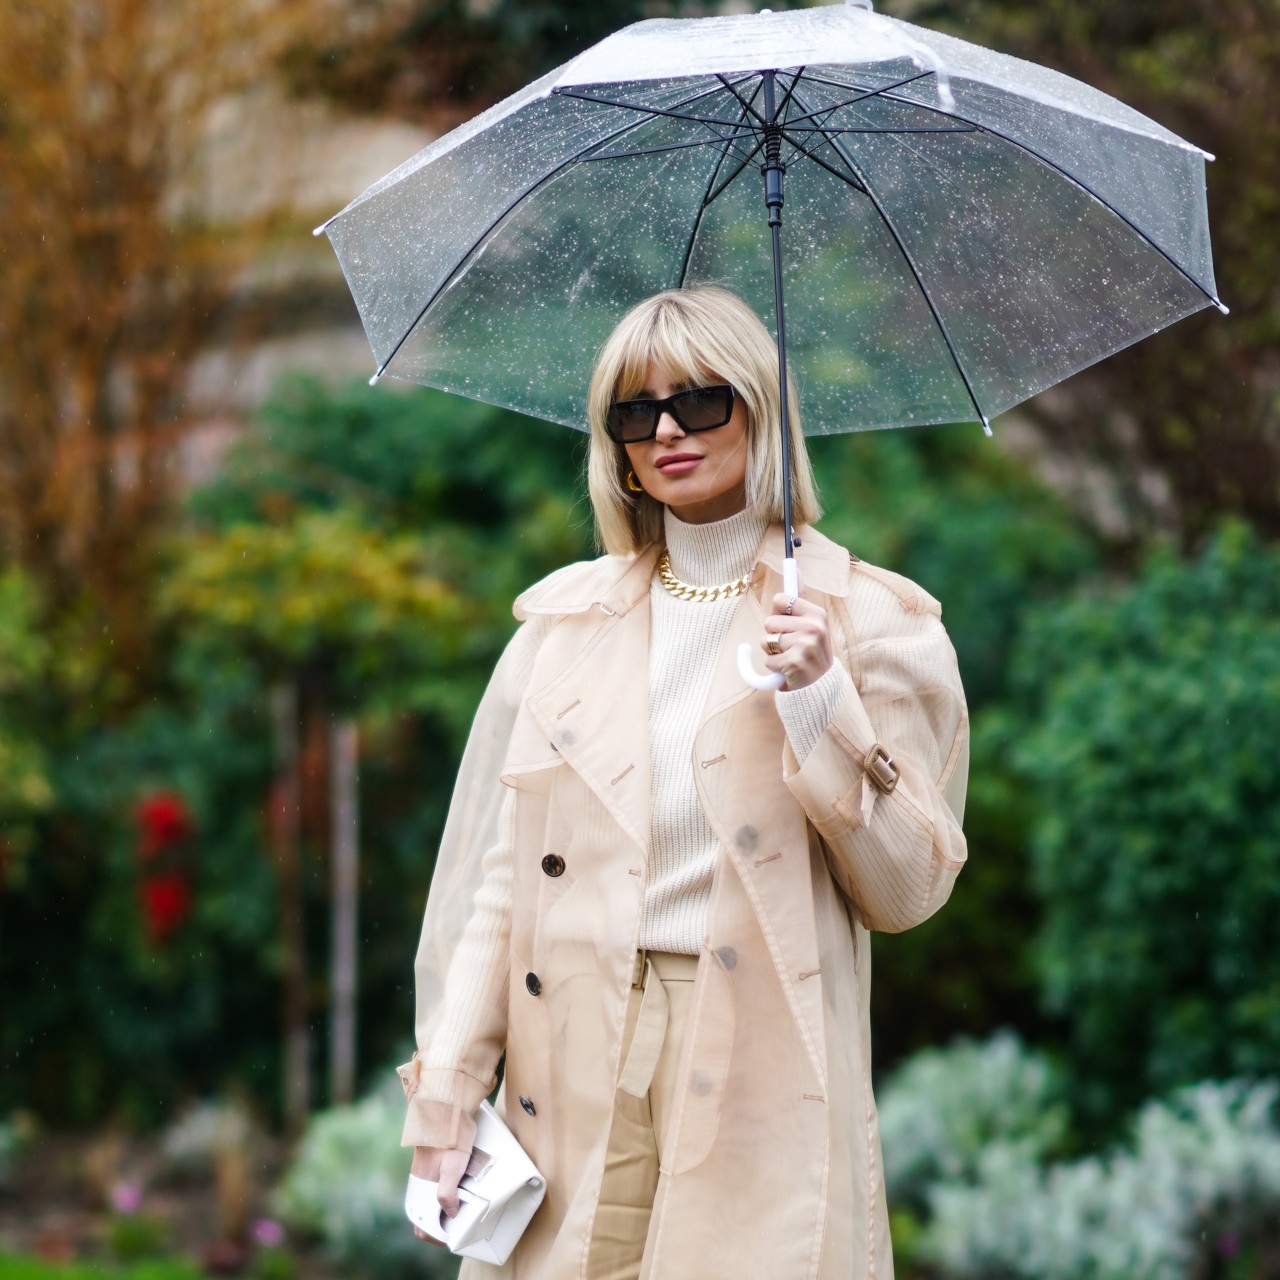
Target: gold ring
[[773, 646]]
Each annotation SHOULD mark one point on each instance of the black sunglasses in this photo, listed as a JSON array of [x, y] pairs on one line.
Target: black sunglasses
[[698, 409]]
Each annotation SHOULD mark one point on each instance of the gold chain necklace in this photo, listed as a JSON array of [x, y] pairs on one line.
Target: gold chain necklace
[[703, 595]]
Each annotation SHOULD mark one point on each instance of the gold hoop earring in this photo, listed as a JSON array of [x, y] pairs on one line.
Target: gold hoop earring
[[633, 484]]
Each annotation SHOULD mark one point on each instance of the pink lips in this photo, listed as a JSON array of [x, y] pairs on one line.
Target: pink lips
[[677, 464]]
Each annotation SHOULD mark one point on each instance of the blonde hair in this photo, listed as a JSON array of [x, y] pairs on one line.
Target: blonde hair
[[694, 334]]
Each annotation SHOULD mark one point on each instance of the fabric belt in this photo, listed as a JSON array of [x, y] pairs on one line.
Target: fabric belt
[[651, 970]]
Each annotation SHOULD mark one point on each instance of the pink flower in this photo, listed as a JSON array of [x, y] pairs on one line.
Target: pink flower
[[126, 1197], [268, 1233]]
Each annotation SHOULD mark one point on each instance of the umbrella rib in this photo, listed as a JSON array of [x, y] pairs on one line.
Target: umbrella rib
[[747, 108], [831, 169], [1057, 168], [648, 111], [742, 164], [484, 235], [649, 151], [827, 130], [704, 205], [839, 148], [862, 95]]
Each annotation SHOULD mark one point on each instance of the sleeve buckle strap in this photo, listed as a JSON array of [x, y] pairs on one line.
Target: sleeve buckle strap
[[880, 769]]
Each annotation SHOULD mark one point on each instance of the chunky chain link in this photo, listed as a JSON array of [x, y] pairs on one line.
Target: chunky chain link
[[704, 595]]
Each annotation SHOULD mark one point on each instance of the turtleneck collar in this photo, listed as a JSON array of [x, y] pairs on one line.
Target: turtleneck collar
[[706, 555]]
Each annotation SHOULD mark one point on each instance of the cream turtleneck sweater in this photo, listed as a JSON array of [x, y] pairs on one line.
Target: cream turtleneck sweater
[[685, 637]]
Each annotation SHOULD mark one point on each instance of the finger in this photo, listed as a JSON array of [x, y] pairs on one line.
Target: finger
[[800, 607], [453, 1164]]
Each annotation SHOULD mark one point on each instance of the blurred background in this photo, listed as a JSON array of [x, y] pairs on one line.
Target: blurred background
[[247, 605]]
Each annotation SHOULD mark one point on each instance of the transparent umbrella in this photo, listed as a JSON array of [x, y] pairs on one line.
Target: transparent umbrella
[[963, 229]]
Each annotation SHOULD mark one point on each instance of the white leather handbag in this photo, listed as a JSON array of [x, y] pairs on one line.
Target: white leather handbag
[[499, 1192]]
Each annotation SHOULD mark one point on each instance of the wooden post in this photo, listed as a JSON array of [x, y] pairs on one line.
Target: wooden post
[[344, 758], [286, 832]]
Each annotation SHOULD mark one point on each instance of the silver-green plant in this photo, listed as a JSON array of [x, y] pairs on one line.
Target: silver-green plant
[[942, 1110], [1202, 1178]]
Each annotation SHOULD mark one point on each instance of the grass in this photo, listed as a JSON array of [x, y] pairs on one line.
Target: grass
[[20, 1267]]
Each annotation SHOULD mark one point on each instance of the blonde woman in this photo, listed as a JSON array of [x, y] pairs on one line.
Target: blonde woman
[[656, 885]]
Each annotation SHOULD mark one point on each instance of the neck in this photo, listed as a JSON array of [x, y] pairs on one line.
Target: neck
[[715, 552]]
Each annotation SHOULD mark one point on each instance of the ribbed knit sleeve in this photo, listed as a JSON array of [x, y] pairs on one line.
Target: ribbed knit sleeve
[[805, 713]]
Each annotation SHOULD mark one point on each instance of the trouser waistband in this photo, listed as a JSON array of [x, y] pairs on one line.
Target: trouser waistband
[[670, 966]]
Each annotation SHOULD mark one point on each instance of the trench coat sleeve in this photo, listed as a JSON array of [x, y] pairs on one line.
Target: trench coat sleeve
[[461, 971], [894, 854]]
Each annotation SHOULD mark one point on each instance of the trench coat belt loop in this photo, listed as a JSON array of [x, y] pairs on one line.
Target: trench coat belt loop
[[650, 1031]]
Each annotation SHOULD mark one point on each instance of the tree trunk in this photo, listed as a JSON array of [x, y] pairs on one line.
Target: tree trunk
[[344, 757]]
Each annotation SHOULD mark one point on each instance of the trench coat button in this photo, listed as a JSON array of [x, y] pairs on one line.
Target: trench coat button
[[533, 984], [527, 1104], [553, 864]]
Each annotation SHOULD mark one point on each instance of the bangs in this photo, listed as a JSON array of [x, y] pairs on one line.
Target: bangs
[[667, 341]]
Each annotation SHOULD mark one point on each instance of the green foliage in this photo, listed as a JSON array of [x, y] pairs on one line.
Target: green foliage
[[346, 1186], [322, 592], [1152, 754], [1196, 1195]]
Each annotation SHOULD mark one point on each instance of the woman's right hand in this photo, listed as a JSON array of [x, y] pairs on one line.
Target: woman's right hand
[[445, 1167]]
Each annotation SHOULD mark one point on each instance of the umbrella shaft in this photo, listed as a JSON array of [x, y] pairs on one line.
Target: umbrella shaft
[[773, 171]]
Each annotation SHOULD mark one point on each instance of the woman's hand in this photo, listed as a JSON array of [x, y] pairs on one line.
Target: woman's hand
[[798, 644], [445, 1167]]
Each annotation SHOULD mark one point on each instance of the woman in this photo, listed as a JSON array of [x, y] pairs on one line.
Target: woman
[[662, 916]]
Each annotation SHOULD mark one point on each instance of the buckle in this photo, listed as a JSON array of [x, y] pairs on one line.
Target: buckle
[[879, 768], [637, 974]]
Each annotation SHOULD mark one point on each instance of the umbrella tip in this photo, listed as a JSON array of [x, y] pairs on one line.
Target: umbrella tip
[[373, 382], [1222, 306], [986, 427]]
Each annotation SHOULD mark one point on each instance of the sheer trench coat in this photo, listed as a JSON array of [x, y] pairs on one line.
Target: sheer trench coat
[[772, 1164]]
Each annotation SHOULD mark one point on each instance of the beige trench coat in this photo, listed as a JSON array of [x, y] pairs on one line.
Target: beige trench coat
[[773, 1165]]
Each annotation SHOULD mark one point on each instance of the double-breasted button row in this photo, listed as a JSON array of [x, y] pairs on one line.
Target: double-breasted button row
[[533, 984], [553, 865]]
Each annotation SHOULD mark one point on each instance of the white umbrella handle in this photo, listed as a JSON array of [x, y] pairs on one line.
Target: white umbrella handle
[[771, 679]]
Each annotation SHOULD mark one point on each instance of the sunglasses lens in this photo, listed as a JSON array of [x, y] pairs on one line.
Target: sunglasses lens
[[704, 407], [631, 421]]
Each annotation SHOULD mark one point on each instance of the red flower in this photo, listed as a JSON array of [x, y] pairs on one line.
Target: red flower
[[165, 823], [166, 903]]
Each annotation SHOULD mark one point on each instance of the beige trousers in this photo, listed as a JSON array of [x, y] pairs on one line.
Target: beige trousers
[[655, 1026]]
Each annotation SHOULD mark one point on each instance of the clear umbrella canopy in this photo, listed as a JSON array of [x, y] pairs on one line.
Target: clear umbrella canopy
[[961, 230]]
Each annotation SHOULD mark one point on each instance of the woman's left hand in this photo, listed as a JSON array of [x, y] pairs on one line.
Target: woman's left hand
[[802, 641]]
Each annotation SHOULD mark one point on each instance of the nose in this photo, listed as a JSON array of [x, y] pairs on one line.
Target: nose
[[668, 428]]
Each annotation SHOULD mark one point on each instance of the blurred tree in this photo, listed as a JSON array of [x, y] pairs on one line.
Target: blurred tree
[[1185, 425], [1152, 715], [451, 58], [323, 605], [110, 272], [25, 789]]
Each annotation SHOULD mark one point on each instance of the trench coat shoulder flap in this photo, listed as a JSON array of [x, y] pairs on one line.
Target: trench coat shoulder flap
[[610, 580]]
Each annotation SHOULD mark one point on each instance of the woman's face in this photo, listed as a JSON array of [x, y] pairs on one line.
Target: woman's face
[[701, 476]]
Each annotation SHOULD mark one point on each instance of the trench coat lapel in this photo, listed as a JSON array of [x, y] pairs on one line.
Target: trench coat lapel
[[597, 722]]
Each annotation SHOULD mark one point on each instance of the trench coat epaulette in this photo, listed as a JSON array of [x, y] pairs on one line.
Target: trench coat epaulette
[[913, 597]]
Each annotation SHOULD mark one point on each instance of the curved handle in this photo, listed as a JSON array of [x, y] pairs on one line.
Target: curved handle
[[770, 679], [746, 669]]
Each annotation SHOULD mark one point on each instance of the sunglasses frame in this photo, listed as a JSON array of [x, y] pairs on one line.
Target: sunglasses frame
[[668, 405]]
